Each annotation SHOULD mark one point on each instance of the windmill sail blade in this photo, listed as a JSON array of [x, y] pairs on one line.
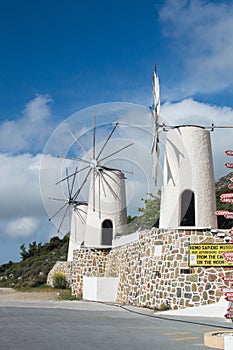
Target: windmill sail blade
[[58, 199], [62, 220], [155, 114], [93, 193], [94, 136], [105, 144], [73, 181], [68, 183], [119, 150], [75, 158], [83, 183], [99, 198], [75, 173], [78, 143], [110, 188], [57, 212]]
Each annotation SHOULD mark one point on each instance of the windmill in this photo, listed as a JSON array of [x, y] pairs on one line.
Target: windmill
[[104, 214], [188, 194]]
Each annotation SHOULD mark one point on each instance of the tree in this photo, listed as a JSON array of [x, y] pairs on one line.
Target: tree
[[150, 214]]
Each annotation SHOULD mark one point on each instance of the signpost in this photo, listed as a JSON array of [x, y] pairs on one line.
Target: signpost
[[221, 212], [229, 152], [226, 195]]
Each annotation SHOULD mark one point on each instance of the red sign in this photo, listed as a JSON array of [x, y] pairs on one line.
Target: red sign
[[229, 298], [229, 152], [231, 232], [227, 278], [229, 215], [227, 200], [228, 294], [230, 186], [229, 165], [230, 309], [231, 179], [227, 195], [229, 316], [221, 212]]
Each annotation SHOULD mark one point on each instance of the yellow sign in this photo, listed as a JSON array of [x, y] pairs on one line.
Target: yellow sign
[[210, 254]]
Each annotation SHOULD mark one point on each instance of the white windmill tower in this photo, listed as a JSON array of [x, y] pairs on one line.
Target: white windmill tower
[[188, 191], [96, 222]]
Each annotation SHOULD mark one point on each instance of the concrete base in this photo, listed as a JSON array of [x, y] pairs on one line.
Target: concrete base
[[100, 288], [228, 342], [211, 310], [225, 342]]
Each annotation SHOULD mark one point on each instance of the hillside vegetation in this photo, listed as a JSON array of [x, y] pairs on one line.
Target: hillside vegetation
[[35, 264]]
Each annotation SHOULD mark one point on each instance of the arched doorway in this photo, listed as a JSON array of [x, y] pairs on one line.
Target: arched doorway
[[187, 208], [107, 232]]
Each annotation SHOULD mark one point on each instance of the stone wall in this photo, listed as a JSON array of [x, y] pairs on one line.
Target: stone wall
[[87, 262], [153, 270], [64, 267]]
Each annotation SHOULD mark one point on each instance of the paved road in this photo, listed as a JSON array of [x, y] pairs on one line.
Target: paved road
[[89, 326]]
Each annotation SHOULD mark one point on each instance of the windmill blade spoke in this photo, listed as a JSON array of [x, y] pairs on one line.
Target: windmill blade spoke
[[101, 179], [68, 183], [73, 181], [78, 143], [58, 211], [110, 188], [112, 178], [83, 183], [75, 173], [119, 150], [58, 199], [82, 219], [110, 135], [62, 220], [93, 192], [75, 158], [99, 200], [94, 136]]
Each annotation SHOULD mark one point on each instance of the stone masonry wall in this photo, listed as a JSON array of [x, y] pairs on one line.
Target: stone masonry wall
[[87, 262], [153, 271], [61, 266]]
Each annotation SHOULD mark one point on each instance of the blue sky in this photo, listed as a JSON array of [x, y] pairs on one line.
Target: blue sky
[[58, 57]]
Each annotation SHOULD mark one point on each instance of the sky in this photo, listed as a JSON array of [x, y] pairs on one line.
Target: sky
[[60, 58]]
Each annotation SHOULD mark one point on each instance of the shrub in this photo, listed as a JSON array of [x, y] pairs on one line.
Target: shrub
[[59, 280]]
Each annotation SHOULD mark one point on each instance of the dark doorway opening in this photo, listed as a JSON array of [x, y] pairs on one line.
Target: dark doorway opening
[[107, 232], [187, 208]]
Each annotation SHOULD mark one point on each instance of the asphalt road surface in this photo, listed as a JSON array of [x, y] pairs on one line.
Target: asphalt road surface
[[88, 326]]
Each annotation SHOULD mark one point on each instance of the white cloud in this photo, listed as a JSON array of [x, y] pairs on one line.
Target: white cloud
[[202, 34], [22, 227], [31, 130]]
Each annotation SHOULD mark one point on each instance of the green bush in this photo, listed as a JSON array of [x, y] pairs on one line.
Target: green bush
[[59, 280]]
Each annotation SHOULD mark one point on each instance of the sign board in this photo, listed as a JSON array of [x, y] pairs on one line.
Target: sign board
[[229, 152], [229, 165], [227, 278], [221, 212], [209, 254], [227, 200], [229, 298], [229, 215], [226, 195], [228, 316]]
